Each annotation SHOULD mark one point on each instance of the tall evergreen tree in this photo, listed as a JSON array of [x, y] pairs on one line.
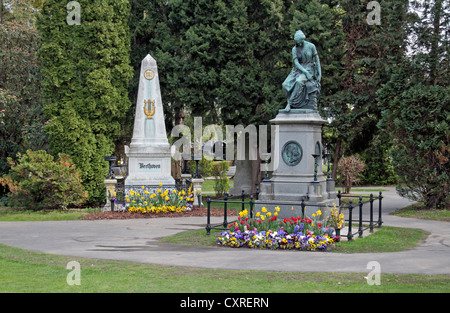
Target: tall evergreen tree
[[86, 73], [416, 102], [21, 118], [371, 51], [225, 60]]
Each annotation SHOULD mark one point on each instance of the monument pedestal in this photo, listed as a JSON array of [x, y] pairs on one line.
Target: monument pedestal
[[149, 165], [297, 168]]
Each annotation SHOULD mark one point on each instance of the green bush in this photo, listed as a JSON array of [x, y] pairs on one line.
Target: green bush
[[36, 181], [205, 167]]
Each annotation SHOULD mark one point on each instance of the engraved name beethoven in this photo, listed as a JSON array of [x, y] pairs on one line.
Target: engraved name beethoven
[[149, 165]]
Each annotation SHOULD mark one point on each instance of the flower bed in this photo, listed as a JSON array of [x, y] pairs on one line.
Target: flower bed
[[161, 201], [267, 231]]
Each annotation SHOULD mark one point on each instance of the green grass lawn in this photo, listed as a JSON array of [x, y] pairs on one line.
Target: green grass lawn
[[418, 210], [8, 214], [26, 271]]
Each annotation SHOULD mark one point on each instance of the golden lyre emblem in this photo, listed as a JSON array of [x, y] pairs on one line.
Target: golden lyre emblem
[[149, 108]]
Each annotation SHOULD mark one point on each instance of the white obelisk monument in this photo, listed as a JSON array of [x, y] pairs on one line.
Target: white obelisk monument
[[149, 157]]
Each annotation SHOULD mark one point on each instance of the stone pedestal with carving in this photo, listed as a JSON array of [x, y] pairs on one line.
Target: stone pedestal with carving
[[197, 190], [110, 193], [297, 167]]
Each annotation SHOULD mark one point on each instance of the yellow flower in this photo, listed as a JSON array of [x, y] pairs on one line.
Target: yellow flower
[[269, 214], [292, 209], [277, 209], [143, 187], [263, 209], [263, 217], [159, 190], [160, 184], [166, 198], [319, 212], [276, 213], [258, 214]]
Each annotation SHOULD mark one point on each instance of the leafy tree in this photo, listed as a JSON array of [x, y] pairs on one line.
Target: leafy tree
[[19, 11], [350, 168], [416, 108], [370, 53], [86, 73], [379, 167], [21, 118], [152, 31], [225, 60]]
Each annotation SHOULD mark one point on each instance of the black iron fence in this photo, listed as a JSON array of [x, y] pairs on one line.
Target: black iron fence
[[360, 206], [229, 199], [247, 200]]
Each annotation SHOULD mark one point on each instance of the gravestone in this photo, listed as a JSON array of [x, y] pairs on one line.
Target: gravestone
[[149, 157]]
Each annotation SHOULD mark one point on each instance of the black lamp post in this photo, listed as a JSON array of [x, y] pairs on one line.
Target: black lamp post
[[111, 159]]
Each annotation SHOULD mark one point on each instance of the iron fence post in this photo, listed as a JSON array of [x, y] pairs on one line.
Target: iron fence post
[[251, 206], [339, 196], [225, 208], [350, 210], [243, 199], [208, 218], [379, 210], [360, 229], [303, 207], [371, 213]]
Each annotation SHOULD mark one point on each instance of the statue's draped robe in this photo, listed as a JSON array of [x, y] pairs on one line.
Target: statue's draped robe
[[296, 86]]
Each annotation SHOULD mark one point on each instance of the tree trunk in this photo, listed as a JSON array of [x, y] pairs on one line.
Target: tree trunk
[[337, 152]]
